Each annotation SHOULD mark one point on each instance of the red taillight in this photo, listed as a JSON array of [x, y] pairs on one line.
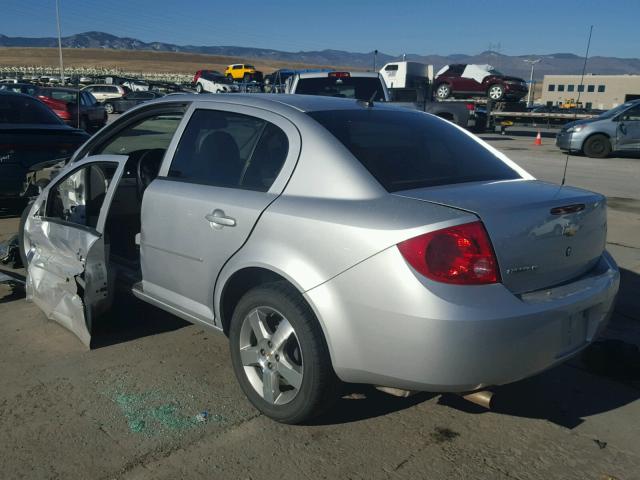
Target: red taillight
[[462, 255], [339, 75], [470, 106]]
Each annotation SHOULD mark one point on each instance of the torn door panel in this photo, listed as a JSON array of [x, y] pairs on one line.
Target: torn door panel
[[55, 280]]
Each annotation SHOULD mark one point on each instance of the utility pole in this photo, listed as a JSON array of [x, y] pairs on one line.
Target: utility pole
[[529, 94], [59, 43], [375, 58]]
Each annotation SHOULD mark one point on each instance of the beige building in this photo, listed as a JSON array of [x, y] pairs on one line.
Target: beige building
[[598, 91]]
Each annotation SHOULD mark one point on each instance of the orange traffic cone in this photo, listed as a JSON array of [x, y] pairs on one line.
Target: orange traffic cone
[[538, 140]]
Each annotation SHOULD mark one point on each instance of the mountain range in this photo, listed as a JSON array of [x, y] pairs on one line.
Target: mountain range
[[554, 63]]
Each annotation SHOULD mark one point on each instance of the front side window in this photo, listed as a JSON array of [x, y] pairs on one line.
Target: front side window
[[407, 150], [631, 115], [78, 198], [150, 133], [227, 149], [391, 68]]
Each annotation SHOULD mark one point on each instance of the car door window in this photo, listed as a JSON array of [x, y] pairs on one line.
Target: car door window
[[150, 133], [215, 148], [631, 115], [78, 198]]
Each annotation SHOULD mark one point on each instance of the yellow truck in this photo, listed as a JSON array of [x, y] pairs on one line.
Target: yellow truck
[[241, 71]]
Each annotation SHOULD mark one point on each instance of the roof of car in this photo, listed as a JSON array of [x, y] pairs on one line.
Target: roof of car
[[278, 101], [324, 73]]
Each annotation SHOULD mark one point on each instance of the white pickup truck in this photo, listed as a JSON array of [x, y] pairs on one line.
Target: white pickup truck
[[365, 86]]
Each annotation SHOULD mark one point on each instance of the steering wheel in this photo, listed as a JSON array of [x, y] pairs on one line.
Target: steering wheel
[[147, 169]]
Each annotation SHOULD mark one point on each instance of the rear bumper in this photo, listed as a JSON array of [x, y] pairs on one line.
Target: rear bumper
[[387, 325]]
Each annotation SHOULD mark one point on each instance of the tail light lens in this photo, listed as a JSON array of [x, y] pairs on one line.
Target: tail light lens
[[461, 255], [470, 106], [339, 75]]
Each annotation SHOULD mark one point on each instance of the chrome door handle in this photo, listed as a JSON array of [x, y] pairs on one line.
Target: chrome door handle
[[218, 219]]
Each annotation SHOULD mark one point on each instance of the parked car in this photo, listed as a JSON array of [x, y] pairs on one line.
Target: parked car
[[275, 81], [130, 100], [617, 130], [65, 101], [243, 72], [365, 86], [105, 92], [213, 82], [462, 80], [30, 133], [330, 240], [26, 88]]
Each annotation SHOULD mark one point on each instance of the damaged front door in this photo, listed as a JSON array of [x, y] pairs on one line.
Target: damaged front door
[[67, 275]]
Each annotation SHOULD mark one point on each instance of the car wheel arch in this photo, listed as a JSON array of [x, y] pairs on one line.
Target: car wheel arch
[[240, 282], [604, 134]]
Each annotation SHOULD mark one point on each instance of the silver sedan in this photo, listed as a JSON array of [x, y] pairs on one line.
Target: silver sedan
[[330, 239]]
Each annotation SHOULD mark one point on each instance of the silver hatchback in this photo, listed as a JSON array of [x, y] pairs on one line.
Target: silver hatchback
[[330, 239]]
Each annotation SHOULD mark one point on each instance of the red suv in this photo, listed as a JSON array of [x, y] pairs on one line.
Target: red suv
[[462, 80]]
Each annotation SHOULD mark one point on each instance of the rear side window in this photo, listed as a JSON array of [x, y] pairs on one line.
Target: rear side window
[[24, 110], [406, 150], [361, 88], [227, 149]]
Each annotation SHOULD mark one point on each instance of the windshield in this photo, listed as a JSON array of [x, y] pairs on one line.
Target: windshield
[[615, 111], [361, 88], [493, 71], [407, 150]]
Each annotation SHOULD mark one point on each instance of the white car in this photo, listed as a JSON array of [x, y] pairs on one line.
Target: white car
[[212, 83], [105, 92]]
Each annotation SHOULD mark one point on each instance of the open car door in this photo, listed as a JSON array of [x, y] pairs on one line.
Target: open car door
[[67, 273]]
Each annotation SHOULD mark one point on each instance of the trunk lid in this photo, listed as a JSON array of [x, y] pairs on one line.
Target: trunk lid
[[538, 244]]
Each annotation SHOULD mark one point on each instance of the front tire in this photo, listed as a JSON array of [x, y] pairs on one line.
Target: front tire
[[443, 91], [597, 146], [280, 356], [495, 92], [199, 88]]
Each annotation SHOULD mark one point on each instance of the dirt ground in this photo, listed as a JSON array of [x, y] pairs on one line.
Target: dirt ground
[[157, 398], [134, 61]]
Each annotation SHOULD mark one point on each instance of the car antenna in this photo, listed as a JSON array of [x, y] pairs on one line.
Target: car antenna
[[368, 103], [580, 89]]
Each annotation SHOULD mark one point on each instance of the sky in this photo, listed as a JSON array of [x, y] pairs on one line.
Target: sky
[[394, 27]]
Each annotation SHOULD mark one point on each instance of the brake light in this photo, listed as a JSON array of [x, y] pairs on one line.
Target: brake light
[[470, 106], [339, 75], [461, 255]]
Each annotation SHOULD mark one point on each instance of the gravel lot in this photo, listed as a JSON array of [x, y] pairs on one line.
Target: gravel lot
[[132, 408]]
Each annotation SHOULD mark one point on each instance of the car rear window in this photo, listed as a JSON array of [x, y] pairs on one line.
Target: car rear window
[[25, 110], [361, 88], [407, 150]]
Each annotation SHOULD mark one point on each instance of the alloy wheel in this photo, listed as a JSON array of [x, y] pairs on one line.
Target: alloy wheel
[[495, 92], [271, 355]]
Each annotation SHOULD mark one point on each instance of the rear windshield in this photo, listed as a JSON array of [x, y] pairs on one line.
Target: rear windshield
[[407, 150], [361, 88], [25, 110]]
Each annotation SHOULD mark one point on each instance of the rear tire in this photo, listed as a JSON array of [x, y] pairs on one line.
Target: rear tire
[[199, 88], [597, 146], [270, 310], [443, 91], [108, 107]]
